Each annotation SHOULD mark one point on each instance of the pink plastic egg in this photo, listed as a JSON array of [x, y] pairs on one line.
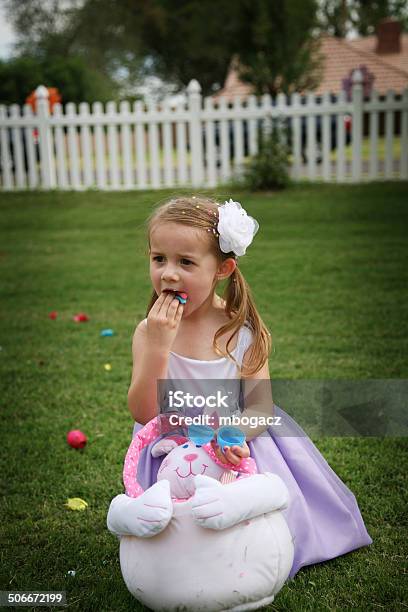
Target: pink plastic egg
[[76, 438]]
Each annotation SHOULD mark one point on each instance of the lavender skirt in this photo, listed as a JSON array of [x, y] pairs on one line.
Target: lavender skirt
[[323, 514]]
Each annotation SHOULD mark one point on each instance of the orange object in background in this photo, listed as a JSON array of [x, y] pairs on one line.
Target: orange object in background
[[54, 97]]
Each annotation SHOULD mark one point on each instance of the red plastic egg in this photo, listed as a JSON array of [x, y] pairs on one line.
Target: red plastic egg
[[76, 438]]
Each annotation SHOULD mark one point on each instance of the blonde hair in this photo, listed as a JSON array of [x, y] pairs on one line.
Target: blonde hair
[[202, 214]]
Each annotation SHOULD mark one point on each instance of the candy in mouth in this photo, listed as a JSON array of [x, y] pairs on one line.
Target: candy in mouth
[[181, 296]]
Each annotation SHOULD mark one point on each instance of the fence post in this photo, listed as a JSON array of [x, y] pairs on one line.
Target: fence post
[[195, 137], [45, 141], [357, 126]]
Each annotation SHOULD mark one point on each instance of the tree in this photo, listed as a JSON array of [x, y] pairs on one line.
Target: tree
[[18, 77], [360, 16], [178, 39], [52, 33], [366, 14], [335, 17], [277, 49], [73, 78]]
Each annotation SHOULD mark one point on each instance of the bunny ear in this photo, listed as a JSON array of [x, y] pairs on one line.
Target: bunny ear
[[165, 445]]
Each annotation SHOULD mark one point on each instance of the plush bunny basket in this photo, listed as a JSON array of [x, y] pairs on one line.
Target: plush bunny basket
[[190, 542]]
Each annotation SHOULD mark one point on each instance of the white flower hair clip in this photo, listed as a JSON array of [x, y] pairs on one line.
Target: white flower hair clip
[[236, 228]]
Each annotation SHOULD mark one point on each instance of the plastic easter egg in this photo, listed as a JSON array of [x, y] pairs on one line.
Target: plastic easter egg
[[76, 503], [76, 438], [107, 332], [230, 436]]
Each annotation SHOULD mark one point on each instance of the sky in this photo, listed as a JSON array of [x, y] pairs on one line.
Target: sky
[[7, 36]]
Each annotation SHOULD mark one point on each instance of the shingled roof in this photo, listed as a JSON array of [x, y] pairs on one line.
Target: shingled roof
[[340, 57], [397, 60]]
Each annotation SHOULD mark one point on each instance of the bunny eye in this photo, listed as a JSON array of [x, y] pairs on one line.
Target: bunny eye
[[198, 445], [185, 446]]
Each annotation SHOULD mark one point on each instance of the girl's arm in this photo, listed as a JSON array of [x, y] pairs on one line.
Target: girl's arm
[[150, 364], [151, 345], [258, 400], [257, 403]]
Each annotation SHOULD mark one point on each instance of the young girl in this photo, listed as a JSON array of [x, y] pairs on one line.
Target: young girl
[[194, 243]]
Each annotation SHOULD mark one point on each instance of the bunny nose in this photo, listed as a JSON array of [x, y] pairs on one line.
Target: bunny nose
[[190, 457]]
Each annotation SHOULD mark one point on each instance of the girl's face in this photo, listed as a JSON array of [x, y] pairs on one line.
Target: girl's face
[[180, 259]]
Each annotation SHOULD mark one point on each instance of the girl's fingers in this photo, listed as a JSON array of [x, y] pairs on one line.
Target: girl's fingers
[[158, 303], [242, 452], [167, 307], [164, 304], [235, 454], [179, 312], [232, 458], [172, 308]]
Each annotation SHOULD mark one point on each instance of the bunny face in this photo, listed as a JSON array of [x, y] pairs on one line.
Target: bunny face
[[182, 463]]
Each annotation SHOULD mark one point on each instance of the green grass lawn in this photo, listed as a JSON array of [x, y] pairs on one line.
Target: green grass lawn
[[365, 150], [328, 270]]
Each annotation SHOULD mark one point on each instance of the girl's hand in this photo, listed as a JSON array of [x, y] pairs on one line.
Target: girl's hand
[[163, 320], [231, 454]]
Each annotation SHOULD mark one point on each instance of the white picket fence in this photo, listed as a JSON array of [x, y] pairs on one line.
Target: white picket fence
[[197, 144]]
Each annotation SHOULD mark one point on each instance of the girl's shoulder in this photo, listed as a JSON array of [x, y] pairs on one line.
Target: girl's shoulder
[[247, 336], [244, 335], [245, 330]]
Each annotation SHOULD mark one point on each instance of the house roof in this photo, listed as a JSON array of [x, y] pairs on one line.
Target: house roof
[[233, 86], [398, 60], [340, 57]]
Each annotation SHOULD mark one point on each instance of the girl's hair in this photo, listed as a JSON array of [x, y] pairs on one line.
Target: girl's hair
[[201, 213]]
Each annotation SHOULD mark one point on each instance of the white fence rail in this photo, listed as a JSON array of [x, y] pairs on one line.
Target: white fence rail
[[199, 143]]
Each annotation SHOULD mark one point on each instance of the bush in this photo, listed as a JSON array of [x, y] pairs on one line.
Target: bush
[[74, 79], [269, 168]]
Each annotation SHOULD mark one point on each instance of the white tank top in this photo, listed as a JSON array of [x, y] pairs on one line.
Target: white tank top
[[180, 367]]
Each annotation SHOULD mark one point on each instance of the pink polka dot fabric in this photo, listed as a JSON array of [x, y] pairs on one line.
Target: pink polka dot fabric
[[246, 466], [152, 430], [146, 435]]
